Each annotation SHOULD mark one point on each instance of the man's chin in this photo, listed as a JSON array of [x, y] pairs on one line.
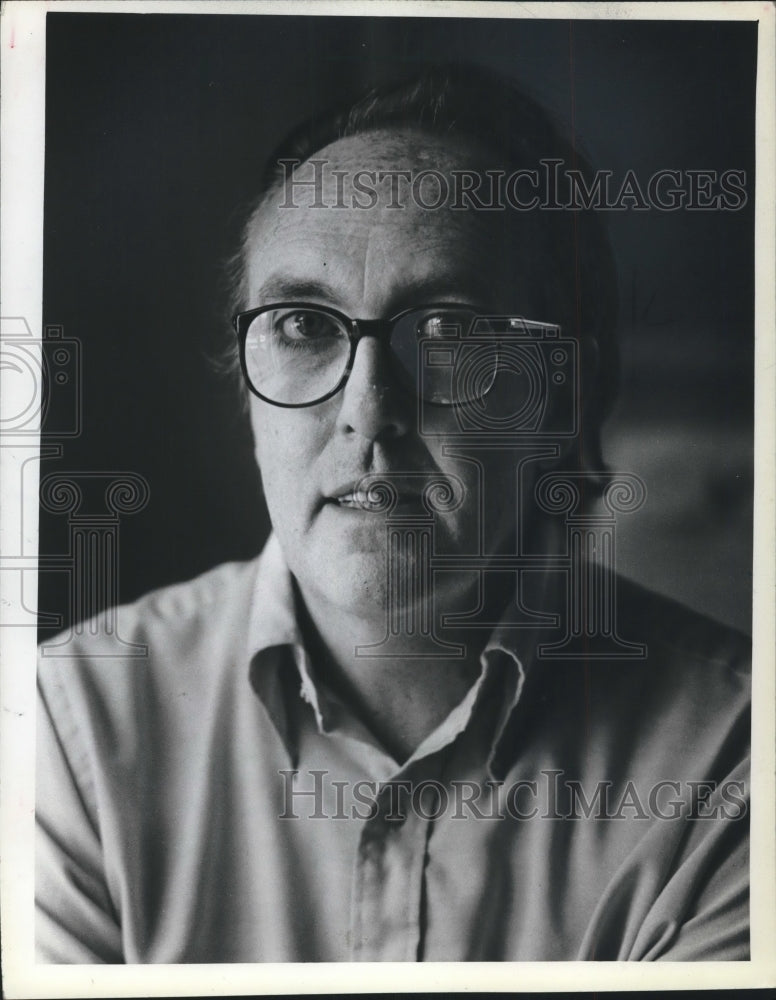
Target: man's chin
[[355, 577], [358, 583]]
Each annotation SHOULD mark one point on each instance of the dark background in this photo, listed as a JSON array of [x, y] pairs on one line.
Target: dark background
[[156, 130]]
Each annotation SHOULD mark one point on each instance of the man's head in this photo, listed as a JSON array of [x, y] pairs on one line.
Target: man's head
[[372, 256]]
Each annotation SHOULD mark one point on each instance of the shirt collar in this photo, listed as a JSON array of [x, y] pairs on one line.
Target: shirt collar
[[274, 643]]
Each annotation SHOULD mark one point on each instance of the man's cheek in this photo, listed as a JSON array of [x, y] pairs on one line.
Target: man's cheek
[[278, 445]]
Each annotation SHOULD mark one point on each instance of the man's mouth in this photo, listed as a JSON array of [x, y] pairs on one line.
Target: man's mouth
[[360, 500], [376, 502], [380, 494], [403, 493]]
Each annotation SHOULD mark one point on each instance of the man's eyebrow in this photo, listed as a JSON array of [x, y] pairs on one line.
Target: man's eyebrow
[[289, 289], [441, 288], [452, 287]]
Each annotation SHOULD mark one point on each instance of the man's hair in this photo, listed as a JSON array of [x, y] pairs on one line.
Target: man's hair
[[576, 266]]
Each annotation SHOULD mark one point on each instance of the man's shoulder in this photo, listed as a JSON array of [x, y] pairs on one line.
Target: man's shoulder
[[674, 704], [188, 627], [676, 629], [227, 586], [691, 689], [671, 630]]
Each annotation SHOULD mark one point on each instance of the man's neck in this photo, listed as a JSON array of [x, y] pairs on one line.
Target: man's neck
[[401, 698]]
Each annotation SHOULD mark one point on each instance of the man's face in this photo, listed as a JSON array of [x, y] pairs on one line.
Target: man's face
[[370, 264]]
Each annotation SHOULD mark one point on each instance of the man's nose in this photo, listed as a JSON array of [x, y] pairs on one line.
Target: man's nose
[[373, 405]]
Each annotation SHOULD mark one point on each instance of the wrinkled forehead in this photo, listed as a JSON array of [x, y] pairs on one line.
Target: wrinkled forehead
[[386, 202]]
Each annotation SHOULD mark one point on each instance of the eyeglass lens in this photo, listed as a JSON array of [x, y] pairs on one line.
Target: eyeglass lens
[[296, 356]]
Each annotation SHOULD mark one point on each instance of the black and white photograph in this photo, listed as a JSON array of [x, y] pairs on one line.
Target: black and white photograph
[[436, 647]]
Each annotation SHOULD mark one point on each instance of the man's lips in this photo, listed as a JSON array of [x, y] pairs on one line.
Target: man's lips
[[374, 501], [358, 500], [406, 493], [379, 493]]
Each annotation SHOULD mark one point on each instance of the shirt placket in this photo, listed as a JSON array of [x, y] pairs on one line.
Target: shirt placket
[[388, 905], [388, 882]]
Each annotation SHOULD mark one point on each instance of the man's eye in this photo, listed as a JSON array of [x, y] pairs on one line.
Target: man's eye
[[304, 325], [445, 324]]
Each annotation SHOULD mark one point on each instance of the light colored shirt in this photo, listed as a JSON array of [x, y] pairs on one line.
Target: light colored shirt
[[563, 810]]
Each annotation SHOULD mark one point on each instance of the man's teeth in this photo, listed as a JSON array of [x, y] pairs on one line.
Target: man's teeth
[[357, 499], [362, 500]]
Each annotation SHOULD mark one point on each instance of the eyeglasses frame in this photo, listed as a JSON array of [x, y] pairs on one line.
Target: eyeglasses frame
[[357, 329]]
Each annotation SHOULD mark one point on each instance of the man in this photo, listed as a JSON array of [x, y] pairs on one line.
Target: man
[[415, 728]]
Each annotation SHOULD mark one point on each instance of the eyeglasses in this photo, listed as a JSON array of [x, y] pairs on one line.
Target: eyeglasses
[[295, 354]]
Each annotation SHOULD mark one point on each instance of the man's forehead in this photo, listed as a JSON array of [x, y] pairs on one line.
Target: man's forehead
[[324, 223], [382, 172], [318, 261]]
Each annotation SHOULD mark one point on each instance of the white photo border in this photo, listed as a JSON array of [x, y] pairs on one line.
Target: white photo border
[[22, 36]]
